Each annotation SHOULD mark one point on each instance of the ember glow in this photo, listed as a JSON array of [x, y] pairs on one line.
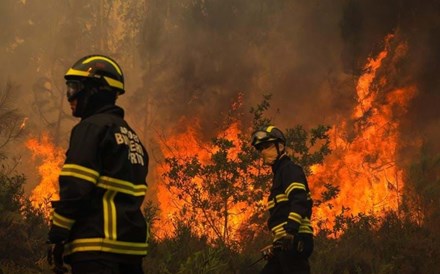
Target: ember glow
[[50, 159]]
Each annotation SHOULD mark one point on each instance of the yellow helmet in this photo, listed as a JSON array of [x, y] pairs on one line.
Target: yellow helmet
[[267, 134], [98, 67]]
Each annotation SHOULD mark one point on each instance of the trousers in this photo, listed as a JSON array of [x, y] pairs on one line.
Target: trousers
[[293, 261]]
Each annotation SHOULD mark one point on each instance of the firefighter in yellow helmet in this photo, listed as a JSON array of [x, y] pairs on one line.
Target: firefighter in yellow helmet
[[290, 206], [97, 223]]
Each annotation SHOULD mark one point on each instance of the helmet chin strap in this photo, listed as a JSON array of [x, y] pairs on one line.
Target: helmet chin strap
[[279, 152], [83, 102]]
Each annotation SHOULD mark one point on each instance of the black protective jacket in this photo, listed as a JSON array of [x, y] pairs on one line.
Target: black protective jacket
[[290, 203], [102, 187]]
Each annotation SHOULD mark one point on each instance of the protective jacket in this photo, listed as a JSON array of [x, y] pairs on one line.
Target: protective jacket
[[290, 203], [102, 187]]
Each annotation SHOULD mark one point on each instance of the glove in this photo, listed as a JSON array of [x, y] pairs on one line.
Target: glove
[[285, 243], [267, 252], [55, 258], [58, 234]]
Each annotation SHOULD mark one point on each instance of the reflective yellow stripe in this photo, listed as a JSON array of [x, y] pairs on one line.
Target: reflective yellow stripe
[[121, 186], [306, 221], [306, 226], [80, 172], [106, 245], [62, 221], [114, 83], [295, 217], [278, 231], [103, 58], [305, 229], [278, 226], [271, 204], [51, 213], [269, 128], [109, 214], [293, 186], [76, 72], [279, 235], [279, 198]]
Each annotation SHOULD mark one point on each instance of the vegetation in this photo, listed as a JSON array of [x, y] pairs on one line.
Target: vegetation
[[191, 56], [399, 242]]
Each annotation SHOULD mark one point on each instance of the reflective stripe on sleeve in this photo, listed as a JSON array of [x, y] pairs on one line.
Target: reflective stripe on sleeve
[[293, 186], [306, 226], [278, 231], [121, 186], [279, 198], [80, 172], [295, 217], [62, 221]]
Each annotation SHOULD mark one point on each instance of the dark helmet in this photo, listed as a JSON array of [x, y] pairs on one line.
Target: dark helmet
[[267, 134], [102, 69]]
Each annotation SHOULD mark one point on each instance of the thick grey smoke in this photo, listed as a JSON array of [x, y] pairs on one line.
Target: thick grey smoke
[[186, 58]]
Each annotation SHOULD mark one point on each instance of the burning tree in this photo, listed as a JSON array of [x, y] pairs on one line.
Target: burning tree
[[219, 187], [220, 191]]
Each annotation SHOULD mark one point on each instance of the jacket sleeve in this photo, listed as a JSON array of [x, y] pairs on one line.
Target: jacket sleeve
[[79, 175], [295, 184]]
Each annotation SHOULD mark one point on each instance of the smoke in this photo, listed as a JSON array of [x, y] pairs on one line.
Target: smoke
[[200, 54], [418, 25], [184, 59], [199, 57]]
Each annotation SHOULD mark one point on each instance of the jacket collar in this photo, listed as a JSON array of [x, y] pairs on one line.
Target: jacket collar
[[278, 163], [110, 109]]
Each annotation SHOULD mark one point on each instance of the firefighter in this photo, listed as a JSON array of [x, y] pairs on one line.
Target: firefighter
[[290, 206], [97, 223]]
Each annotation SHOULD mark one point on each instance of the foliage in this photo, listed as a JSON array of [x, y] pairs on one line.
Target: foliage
[[23, 229], [377, 245], [11, 122], [424, 190], [307, 148], [212, 190]]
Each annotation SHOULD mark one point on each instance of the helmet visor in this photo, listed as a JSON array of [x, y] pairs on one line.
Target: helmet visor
[[74, 87], [264, 145], [259, 136]]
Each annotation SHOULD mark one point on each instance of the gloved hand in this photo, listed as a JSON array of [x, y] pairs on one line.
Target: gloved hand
[[57, 237], [55, 258], [285, 243], [57, 234], [267, 252]]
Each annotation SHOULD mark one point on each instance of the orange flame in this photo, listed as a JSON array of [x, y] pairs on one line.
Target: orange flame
[[187, 144], [52, 159], [363, 162]]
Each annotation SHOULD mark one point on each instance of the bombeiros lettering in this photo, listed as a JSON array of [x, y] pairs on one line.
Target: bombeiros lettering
[[131, 140]]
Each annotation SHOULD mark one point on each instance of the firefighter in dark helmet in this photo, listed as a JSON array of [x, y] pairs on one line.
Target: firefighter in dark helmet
[[97, 223], [290, 206]]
